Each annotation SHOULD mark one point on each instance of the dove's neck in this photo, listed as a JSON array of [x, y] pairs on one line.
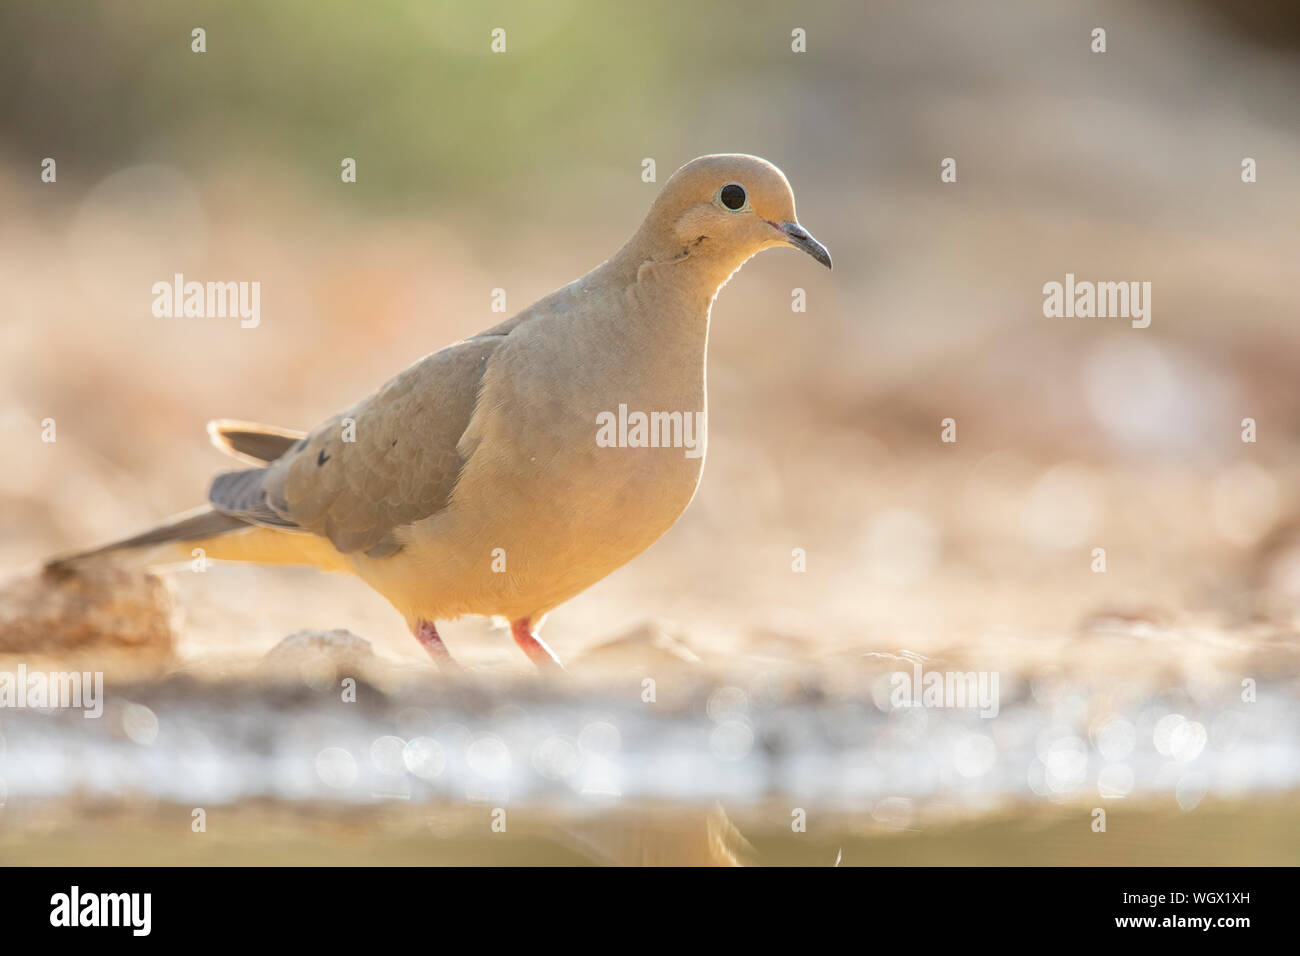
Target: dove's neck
[[671, 285], [665, 299]]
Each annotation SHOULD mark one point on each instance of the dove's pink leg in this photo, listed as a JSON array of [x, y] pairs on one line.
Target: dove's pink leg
[[427, 635], [532, 645]]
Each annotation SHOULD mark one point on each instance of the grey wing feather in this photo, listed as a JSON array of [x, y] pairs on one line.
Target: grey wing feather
[[241, 494], [387, 462]]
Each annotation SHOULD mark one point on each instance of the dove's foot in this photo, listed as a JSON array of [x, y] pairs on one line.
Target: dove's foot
[[427, 635], [532, 645]]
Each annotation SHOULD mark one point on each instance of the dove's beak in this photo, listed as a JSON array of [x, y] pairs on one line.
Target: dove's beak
[[799, 237]]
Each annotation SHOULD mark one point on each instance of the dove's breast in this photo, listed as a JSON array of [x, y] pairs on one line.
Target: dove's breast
[[587, 445]]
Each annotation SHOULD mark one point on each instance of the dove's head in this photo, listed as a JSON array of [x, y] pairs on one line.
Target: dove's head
[[725, 208]]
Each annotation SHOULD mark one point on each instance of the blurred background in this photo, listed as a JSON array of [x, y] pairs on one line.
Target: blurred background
[[521, 171]]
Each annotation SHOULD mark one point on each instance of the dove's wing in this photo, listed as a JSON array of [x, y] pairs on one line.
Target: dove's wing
[[390, 460]]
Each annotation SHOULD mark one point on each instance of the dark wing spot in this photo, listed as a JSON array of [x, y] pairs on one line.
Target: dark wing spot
[[322, 458]]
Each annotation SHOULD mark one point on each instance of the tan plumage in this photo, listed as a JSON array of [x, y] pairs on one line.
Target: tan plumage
[[486, 450]]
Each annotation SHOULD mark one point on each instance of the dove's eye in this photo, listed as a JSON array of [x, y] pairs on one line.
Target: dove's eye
[[733, 196]]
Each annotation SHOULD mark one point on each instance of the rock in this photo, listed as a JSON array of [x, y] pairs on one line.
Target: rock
[[95, 608], [316, 649]]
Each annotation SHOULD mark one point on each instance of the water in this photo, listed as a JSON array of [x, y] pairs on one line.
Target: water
[[531, 744]]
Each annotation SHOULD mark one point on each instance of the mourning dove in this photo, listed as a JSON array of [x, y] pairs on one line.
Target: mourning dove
[[508, 472]]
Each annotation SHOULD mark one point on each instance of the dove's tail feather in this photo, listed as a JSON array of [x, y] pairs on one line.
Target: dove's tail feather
[[209, 535], [252, 442], [195, 525]]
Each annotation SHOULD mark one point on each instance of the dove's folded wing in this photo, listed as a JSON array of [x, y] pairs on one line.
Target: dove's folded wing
[[390, 460]]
